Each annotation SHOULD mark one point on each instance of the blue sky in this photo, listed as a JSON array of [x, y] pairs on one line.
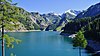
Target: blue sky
[[57, 6]]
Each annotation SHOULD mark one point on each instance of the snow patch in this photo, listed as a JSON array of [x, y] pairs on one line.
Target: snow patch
[[69, 11]]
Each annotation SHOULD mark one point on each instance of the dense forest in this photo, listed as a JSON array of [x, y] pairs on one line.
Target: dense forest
[[89, 24]]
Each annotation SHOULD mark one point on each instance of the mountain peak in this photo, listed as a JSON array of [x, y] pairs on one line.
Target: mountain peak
[[73, 12]]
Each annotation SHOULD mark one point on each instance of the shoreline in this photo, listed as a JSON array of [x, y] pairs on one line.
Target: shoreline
[[22, 31], [69, 35], [92, 46]]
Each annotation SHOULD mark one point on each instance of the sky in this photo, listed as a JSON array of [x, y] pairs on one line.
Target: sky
[[57, 6]]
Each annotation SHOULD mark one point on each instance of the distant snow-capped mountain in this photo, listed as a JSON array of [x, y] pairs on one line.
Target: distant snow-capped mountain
[[73, 12], [67, 16], [51, 21], [70, 14]]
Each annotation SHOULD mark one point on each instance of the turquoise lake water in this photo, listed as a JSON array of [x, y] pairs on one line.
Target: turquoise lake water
[[42, 43]]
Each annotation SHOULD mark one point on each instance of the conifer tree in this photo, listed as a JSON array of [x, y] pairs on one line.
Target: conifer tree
[[8, 20], [80, 41]]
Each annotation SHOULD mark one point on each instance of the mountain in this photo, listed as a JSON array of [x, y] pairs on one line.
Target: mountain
[[91, 27], [91, 11], [54, 18], [39, 20], [53, 21], [25, 22], [90, 23], [59, 21], [88, 16], [49, 21], [45, 21], [72, 12], [68, 16]]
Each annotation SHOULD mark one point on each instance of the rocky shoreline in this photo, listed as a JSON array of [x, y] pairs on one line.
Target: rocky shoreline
[[69, 35], [92, 47]]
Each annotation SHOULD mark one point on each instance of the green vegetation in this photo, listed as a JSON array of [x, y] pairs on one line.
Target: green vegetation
[[60, 28], [92, 30], [8, 21], [23, 18], [10, 40], [79, 41], [89, 24]]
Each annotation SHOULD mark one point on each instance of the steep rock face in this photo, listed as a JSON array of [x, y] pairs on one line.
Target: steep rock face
[[45, 20], [39, 20], [91, 11], [52, 20], [27, 22]]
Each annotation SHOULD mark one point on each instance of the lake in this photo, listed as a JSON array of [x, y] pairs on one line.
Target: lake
[[43, 43]]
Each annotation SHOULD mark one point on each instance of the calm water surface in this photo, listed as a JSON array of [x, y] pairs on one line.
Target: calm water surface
[[42, 43]]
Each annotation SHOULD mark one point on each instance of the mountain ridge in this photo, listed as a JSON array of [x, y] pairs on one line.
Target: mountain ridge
[[53, 20], [93, 10]]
